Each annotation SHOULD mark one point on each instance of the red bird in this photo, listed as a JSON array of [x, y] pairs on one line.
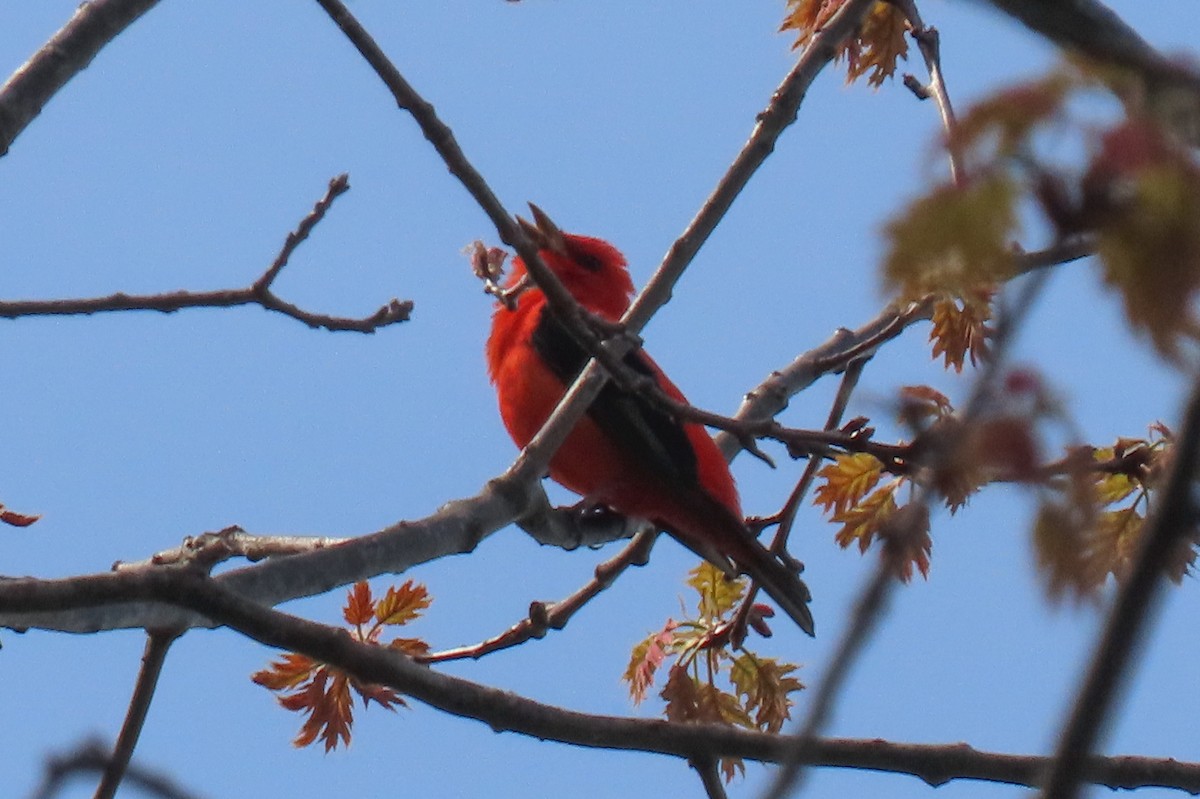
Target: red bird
[[625, 453]]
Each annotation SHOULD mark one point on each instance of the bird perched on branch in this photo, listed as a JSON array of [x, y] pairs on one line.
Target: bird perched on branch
[[626, 453]]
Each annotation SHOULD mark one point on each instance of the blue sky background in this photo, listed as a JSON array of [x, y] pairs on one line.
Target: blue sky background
[[194, 143]]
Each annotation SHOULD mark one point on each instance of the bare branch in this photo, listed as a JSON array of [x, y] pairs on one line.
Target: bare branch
[[67, 53], [710, 778], [1171, 525], [157, 644], [258, 293], [544, 617], [929, 43], [208, 549]]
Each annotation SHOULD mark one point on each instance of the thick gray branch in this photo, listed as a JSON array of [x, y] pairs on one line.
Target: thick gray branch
[[68, 52]]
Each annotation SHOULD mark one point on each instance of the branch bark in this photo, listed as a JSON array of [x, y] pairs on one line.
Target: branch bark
[[67, 53]]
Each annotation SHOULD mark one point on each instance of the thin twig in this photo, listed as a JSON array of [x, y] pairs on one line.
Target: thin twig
[[68, 52], [1171, 525], [929, 44], [258, 293], [157, 644], [92, 757], [787, 515], [338, 185], [544, 617]]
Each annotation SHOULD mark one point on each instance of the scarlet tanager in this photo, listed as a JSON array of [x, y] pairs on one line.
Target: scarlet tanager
[[625, 453]]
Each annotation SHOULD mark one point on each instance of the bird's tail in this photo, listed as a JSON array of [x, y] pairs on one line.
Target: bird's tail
[[718, 535], [781, 583]]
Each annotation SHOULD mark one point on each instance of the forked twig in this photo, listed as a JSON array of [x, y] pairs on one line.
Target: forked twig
[[258, 293]]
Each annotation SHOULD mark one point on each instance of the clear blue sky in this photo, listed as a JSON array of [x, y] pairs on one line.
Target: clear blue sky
[[190, 147]]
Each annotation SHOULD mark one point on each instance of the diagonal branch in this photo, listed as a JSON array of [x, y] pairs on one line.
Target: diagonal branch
[[544, 617], [1095, 30], [157, 644], [67, 53]]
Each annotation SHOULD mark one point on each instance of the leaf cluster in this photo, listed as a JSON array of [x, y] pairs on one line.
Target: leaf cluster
[[873, 50], [1138, 198], [325, 693], [1090, 522], [707, 681]]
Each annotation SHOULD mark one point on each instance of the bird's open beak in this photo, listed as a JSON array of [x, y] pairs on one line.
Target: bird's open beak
[[544, 233]]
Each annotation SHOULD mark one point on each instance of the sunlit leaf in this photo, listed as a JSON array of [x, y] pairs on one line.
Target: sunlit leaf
[[961, 328], [718, 594], [846, 481], [402, 605], [861, 522]]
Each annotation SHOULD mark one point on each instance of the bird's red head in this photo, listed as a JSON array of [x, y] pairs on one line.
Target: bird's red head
[[594, 271]]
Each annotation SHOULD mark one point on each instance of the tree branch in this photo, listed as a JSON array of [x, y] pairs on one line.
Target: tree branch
[[929, 44], [157, 644], [258, 293], [67, 53], [505, 711], [1093, 29]]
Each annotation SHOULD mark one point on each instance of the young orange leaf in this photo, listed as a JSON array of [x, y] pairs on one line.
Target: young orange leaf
[[875, 47], [11, 517], [806, 17], [359, 608], [1002, 126], [288, 672], [846, 481], [862, 521], [413, 647], [402, 605], [323, 692], [1146, 194], [920, 405], [878, 46], [1059, 536], [907, 543], [766, 686], [960, 327]]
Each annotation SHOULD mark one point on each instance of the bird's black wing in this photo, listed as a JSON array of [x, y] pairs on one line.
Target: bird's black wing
[[654, 437]]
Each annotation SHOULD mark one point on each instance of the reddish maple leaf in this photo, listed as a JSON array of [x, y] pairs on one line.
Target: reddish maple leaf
[[325, 693]]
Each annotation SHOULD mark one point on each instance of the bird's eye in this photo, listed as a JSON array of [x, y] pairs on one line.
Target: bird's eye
[[586, 259]]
